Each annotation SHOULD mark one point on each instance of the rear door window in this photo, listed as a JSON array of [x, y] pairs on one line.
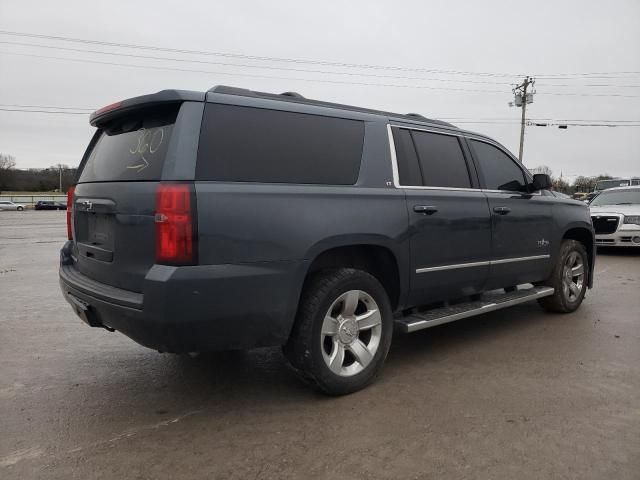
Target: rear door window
[[441, 160], [499, 170], [245, 144], [430, 159], [408, 168], [131, 148]]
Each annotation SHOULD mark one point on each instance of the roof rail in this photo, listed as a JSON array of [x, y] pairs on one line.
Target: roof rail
[[292, 94], [297, 98], [232, 90]]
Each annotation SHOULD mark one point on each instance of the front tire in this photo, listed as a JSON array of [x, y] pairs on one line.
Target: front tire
[[20, 209], [342, 332], [569, 278]]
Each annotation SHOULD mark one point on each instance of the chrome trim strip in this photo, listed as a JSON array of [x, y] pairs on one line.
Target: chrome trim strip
[[519, 259], [481, 264], [455, 189], [430, 130], [451, 267]]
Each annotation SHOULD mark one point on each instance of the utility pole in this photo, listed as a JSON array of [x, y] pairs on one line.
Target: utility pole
[[523, 94], [60, 171]]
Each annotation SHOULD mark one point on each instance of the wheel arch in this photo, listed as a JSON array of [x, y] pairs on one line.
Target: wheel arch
[[377, 259], [585, 236]]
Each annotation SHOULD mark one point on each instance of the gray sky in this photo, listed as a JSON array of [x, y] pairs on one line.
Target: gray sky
[[538, 38]]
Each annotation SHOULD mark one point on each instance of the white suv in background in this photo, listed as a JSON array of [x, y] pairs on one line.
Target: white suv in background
[[615, 215], [7, 205]]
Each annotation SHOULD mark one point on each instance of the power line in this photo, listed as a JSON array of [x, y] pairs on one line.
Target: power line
[[60, 112], [315, 62], [245, 65], [238, 74], [313, 80], [304, 70], [252, 57], [440, 117], [583, 84], [45, 107]]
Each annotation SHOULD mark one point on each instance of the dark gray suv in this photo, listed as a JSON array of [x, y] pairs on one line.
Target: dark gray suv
[[235, 219]]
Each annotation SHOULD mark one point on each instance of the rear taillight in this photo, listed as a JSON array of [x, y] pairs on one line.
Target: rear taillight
[[174, 225], [70, 212]]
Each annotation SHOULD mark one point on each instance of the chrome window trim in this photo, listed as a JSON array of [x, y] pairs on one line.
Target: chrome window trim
[[394, 159], [396, 175], [430, 130], [394, 162], [481, 264]]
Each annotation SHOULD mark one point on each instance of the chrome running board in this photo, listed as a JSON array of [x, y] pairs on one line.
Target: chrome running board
[[489, 302]]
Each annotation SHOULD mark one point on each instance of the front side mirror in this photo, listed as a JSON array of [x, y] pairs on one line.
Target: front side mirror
[[541, 181]]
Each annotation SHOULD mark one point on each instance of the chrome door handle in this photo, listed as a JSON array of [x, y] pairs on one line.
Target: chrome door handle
[[425, 209], [501, 210]]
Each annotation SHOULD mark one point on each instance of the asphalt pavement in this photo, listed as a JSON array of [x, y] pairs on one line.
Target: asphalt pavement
[[516, 393]]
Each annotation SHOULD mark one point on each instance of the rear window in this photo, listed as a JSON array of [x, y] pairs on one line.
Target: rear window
[[131, 148], [244, 144]]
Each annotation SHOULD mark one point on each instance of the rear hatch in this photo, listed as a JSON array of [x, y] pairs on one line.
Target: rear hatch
[[114, 204]]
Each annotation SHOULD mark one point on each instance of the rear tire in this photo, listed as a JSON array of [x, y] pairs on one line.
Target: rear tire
[[342, 332], [569, 278]]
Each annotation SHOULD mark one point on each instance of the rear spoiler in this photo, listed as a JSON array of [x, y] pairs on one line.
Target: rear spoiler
[[163, 97]]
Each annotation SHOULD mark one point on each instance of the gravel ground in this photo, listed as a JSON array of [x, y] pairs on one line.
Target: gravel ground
[[512, 394]]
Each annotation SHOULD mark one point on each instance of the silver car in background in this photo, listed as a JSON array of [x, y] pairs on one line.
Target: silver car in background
[[615, 214], [7, 205]]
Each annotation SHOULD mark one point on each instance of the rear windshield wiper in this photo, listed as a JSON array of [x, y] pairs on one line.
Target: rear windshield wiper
[[624, 203]]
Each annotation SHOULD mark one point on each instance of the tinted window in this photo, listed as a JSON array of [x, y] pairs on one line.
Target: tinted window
[[246, 144], [441, 160], [408, 169], [499, 170], [131, 148]]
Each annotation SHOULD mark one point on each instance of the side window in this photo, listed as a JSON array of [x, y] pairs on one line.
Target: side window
[[441, 160], [430, 159], [499, 170], [408, 169], [246, 144]]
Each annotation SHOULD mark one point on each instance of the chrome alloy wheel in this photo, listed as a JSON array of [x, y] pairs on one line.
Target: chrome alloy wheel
[[351, 333], [573, 277]]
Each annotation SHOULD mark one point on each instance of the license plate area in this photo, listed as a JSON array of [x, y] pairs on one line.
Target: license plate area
[[95, 235]]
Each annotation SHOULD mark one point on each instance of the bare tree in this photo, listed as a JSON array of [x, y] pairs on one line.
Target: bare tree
[[7, 162]]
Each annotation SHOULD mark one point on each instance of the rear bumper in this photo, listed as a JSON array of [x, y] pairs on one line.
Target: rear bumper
[[196, 308]]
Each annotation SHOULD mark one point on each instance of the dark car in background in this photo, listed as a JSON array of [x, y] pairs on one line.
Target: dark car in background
[[49, 205]]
